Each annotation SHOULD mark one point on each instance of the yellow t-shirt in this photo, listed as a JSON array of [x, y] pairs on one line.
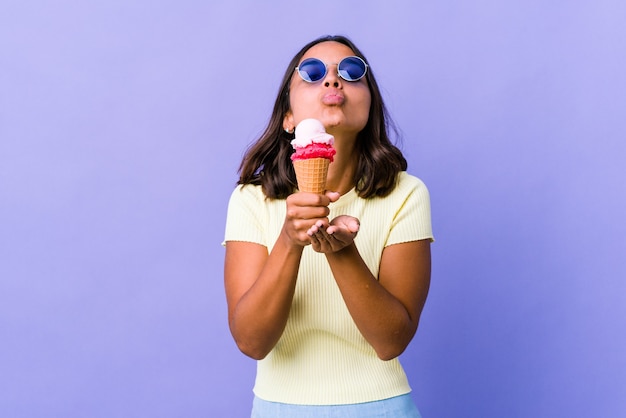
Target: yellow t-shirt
[[322, 358]]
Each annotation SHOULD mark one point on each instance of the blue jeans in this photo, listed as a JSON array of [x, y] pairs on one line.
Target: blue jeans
[[397, 407]]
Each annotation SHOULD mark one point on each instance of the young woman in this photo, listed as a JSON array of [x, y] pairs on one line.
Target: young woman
[[326, 291]]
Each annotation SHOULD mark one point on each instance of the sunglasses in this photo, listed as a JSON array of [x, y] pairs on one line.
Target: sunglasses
[[350, 69]]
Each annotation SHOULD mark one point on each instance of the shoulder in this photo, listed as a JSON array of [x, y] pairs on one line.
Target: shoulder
[[247, 192], [408, 183], [252, 197], [412, 221], [412, 194]]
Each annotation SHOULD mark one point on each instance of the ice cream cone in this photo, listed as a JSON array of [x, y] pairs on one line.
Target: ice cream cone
[[311, 174]]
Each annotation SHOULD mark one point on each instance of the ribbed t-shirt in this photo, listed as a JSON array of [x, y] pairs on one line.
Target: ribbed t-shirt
[[321, 357]]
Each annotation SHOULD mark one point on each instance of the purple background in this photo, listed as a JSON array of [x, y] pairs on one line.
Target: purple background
[[122, 125]]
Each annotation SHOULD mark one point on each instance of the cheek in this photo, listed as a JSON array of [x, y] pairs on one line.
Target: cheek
[[302, 104], [295, 95], [365, 105]]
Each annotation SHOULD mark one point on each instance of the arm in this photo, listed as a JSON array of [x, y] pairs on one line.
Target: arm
[[386, 310], [260, 286], [259, 289]]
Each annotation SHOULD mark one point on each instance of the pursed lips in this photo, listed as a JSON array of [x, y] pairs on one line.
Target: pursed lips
[[333, 98]]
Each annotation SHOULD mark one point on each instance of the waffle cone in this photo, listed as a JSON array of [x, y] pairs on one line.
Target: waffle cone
[[311, 174]]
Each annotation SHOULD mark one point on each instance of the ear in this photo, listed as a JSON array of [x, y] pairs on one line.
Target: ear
[[288, 124]]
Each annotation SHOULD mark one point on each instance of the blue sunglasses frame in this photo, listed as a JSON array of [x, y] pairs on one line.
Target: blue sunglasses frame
[[313, 70]]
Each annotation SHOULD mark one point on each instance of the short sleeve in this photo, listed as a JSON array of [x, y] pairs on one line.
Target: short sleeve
[[412, 221], [244, 219]]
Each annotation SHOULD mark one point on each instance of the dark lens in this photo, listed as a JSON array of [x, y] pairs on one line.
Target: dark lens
[[312, 70], [352, 68]]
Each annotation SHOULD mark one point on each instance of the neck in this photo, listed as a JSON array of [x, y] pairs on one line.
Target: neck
[[341, 170]]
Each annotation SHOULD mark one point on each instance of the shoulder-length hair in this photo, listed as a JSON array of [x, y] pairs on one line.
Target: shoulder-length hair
[[267, 161]]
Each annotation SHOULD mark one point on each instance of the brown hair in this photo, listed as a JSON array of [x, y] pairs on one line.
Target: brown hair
[[267, 161]]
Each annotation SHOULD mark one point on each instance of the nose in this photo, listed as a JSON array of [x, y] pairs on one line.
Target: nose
[[332, 76]]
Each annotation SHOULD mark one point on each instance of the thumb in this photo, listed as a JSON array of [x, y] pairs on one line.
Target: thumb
[[333, 196], [354, 225]]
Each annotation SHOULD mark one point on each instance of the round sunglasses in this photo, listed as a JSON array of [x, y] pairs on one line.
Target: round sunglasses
[[350, 69]]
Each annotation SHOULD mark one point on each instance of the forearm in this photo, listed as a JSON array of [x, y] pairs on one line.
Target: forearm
[[259, 318], [380, 317]]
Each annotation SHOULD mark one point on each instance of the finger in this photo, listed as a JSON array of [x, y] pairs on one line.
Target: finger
[[314, 241], [318, 245], [315, 228], [322, 235], [332, 229]]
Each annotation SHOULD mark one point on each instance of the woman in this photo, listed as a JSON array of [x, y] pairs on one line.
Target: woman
[[326, 291]]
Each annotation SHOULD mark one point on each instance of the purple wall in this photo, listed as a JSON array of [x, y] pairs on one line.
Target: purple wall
[[121, 129]]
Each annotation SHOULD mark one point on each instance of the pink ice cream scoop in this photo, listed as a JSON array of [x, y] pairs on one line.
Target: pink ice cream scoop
[[312, 141]]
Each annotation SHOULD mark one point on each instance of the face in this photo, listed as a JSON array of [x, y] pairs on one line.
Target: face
[[342, 106]]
